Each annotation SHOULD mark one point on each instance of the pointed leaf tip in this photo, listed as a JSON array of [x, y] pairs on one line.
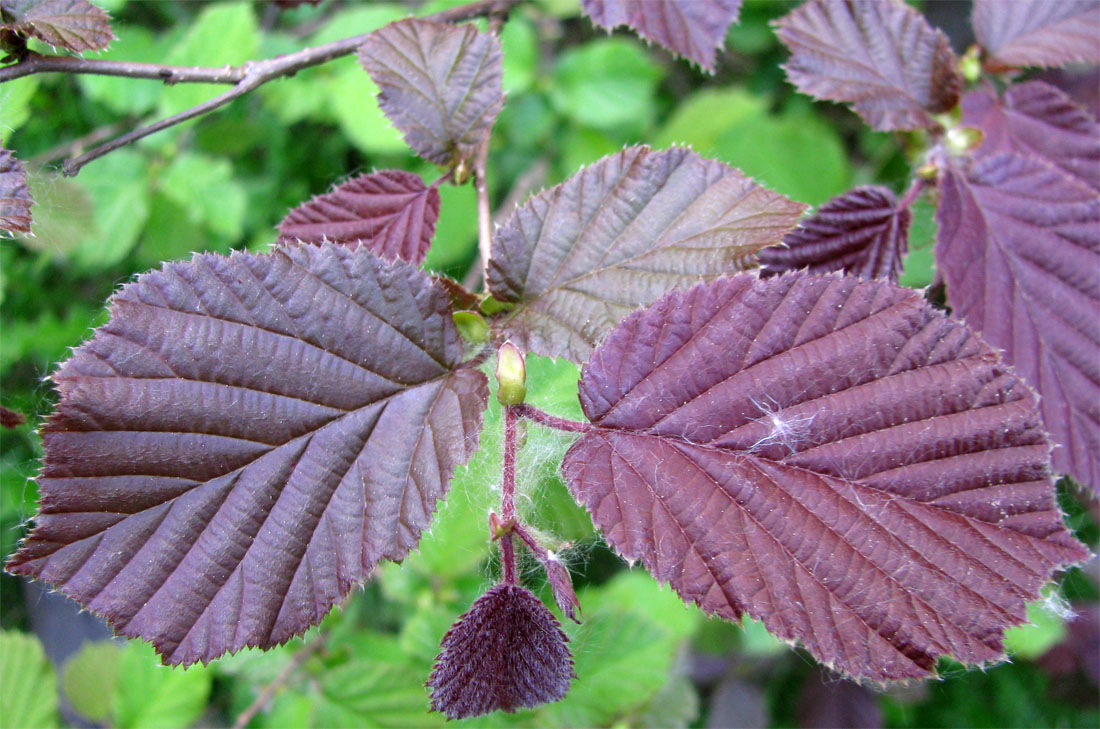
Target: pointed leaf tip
[[392, 212], [831, 456], [862, 232], [880, 56], [440, 85], [695, 30], [507, 652], [245, 439]]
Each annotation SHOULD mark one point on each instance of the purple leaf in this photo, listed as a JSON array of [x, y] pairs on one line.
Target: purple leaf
[[862, 232], [75, 25], [507, 652], [561, 583], [1037, 32], [15, 196], [694, 29], [881, 56], [245, 439], [829, 455], [578, 257], [1036, 119], [1019, 250], [391, 212], [440, 85]]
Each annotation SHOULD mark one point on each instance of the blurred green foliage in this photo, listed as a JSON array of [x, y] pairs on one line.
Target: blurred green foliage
[[224, 181]]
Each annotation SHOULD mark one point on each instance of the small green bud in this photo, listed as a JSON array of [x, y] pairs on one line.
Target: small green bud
[[473, 328], [490, 306], [960, 140], [970, 65], [511, 375]]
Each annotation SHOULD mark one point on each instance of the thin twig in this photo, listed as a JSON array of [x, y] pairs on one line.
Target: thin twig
[[269, 691], [80, 143], [244, 78]]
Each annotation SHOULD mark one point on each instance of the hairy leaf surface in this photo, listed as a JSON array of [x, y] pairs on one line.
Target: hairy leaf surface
[[1037, 32], [15, 196], [578, 257], [881, 56], [1036, 119], [1019, 249], [506, 652], [75, 25], [391, 212], [695, 30], [862, 233], [440, 85], [245, 439], [831, 456]]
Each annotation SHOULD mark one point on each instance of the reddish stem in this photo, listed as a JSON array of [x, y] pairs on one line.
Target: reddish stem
[[550, 421], [912, 193], [508, 496]]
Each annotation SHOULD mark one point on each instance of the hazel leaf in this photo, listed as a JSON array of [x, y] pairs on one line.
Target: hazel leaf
[[507, 652], [831, 456], [880, 56], [1037, 32], [74, 25], [15, 196], [862, 233], [392, 212], [440, 85], [1036, 119], [1019, 250], [578, 257], [244, 441], [695, 30]]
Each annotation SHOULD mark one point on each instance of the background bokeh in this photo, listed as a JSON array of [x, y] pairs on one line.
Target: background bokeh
[[574, 94]]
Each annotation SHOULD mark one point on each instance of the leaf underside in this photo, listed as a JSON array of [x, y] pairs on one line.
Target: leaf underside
[[244, 440], [75, 25], [391, 212], [1037, 32], [881, 56], [831, 456], [695, 30], [1019, 249], [1036, 119], [506, 652], [861, 232], [15, 196], [440, 85], [578, 257]]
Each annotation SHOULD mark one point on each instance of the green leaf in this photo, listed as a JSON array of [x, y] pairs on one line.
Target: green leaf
[[90, 680], [1046, 628], [794, 153], [366, 693], [624, 650], [221, 35], [456, 230], [205, 188], [127, 95], [352, 100], [918, 268], [702, 118], [520, 43], [171, 234], [119, 187], [15, 108], [607, 83], [675, 705], [154, 696], [27, 683]]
